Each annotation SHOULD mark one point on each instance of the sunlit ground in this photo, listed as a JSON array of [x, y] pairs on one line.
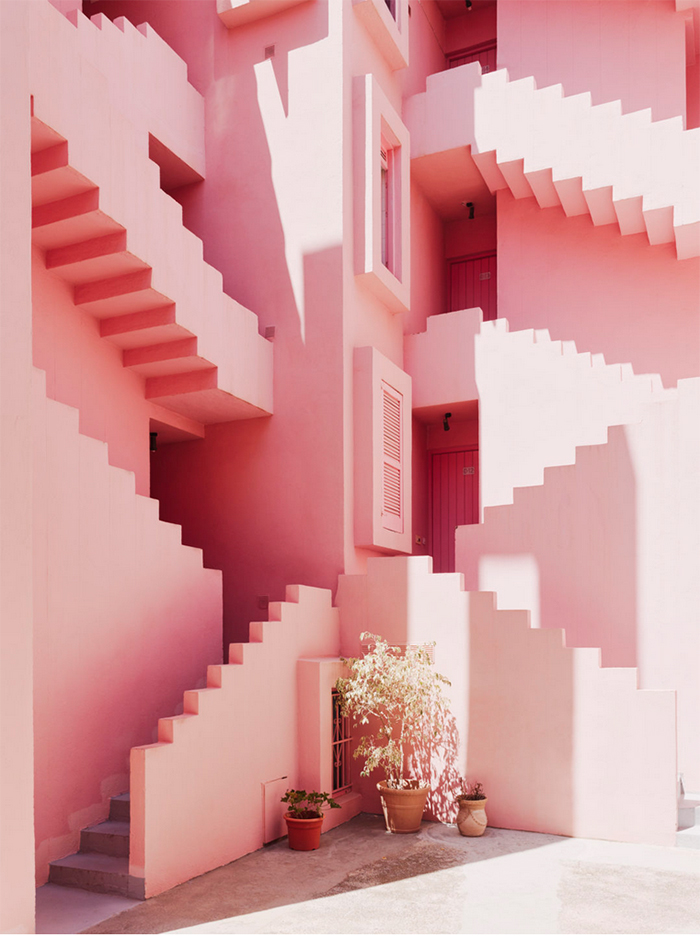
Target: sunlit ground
[[364, 880]]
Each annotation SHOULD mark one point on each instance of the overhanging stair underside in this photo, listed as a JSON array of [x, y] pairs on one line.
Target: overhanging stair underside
[[622, 169], [199, 351]]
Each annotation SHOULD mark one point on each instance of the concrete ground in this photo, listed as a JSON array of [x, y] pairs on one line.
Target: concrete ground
[[365, 880]]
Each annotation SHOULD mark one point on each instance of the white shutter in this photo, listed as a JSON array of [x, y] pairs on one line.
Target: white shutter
[[392, 467]]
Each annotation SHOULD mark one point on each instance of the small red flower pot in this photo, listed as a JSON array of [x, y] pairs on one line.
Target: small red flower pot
[[303, 834]]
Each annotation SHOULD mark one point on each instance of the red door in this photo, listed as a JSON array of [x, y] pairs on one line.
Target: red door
[[472, 282], [454, 500]]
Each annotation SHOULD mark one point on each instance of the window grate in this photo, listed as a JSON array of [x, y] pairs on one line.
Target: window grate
[[342, 740]]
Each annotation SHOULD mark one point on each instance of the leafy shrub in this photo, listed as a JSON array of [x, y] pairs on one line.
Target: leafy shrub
[[403, 694]]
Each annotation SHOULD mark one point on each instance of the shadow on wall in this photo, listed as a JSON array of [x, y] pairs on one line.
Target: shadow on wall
[[253, 494], [264, 498], [437, 760], [607, 292], [579, 533], [522, 722]]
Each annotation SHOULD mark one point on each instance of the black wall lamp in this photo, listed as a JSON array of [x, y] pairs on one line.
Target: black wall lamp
[[154, 442], [445, 424], [468, 4]]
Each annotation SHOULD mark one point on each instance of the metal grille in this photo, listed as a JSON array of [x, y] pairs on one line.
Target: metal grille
[[342, 739]]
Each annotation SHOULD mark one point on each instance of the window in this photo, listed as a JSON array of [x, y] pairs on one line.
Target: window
[[382, 197], [342, 742]]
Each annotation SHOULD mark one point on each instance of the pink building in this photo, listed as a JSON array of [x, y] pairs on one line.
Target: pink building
[[374, 272]]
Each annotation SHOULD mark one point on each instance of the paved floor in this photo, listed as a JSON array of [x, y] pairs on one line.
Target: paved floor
[[364, 880]]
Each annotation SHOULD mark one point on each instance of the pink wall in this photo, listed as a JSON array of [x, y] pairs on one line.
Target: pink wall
[[611, 294], [125, 618], [471, 28], [634, 52], [85, 371], [471, 237], [428, 280], [426, 48], [16, 679]]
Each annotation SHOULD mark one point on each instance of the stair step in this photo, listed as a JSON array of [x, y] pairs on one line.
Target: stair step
[[95, 259], [53, 178], [688, 839], [94, 871], [120, 807], [110, 838], [120, 295], [165, 358], [689, 812], [140, 329], [70, 220]]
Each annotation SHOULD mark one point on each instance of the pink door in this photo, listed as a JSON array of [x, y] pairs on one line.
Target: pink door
[[454, 500], [485, 54], [472, 282]]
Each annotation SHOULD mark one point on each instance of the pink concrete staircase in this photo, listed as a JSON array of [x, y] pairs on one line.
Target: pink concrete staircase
[[591, 546], [590, 159], [198, 794], [123, 607], [102, 864], [107, 228], [541, 724], [622, 169], [539, 398], [200, 353]]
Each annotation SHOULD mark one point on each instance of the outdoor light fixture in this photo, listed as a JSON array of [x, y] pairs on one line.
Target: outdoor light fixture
[[470, 206], [154, 443], [445, 424], [468, 4]]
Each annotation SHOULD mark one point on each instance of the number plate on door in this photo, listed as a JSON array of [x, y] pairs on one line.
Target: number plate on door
[[468, 470]]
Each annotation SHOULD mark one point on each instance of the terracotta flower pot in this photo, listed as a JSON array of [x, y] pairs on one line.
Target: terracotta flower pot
[[471, 819], [403, 808], [303, 834]]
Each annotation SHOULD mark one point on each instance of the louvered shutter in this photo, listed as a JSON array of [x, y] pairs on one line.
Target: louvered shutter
[[392, 467]]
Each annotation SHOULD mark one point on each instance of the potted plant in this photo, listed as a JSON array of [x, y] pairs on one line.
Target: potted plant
[[304, 818], [397, 695], [471, 819]]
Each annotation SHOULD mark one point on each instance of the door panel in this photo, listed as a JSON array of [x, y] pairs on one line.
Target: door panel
[[454, 500], [484, 54], [472, 282]]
